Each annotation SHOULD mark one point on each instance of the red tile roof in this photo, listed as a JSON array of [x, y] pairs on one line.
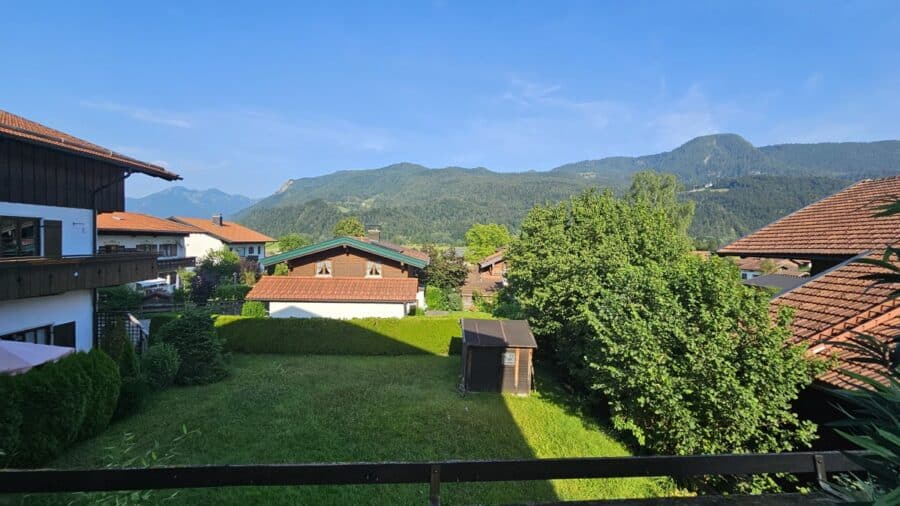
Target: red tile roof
[[405, 250], [23, 129], [835, 305], [108, 223], [841, 225], [309, 289], [228, 231]]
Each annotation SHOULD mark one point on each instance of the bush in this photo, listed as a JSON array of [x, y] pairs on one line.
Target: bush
[[413, 335], [120, 298], [253, 309], [159, 365], [281, 270], [104, 392], [231, 291], [198, 345], [114, 341], [53, 402], [10, 419], [131, 396], [442, 299]]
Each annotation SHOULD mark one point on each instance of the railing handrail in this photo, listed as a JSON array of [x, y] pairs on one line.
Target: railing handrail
[[71, 259], [433, 473]]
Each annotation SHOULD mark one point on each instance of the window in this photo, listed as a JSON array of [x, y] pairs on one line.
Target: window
[[323, 268], [111, 248], [147, 248], [168, 250], [373, 269], [250, 250], [40, 335], [19, 237]]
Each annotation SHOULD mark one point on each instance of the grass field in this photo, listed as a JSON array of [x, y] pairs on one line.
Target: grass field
[[281, 408]]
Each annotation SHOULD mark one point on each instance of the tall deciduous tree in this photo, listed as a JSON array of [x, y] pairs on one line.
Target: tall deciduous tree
[[661, 190], [484, 239], [686, 357], [289, 242], [349, 226], [445, 270]]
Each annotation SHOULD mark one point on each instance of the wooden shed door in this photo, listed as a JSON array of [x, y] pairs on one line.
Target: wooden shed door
[[52, 238], [485, 369]]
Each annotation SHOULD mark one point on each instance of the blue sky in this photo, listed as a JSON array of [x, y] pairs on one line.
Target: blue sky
[[244, 96]]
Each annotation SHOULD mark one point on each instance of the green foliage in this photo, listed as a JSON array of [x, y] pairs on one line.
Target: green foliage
[[10, 418], [132, 395], [484, 239], [684, 355], [445, 270], [481, 303], [661, 190], [443, 299], [249, 277], [103, 394], [253, 309], [412, 335], [114, 341], [157, 321], [220, 264], [349, 226], [199, 347], [159, 364], [281, 269], [119, 298], [231, 292], [289, 242]]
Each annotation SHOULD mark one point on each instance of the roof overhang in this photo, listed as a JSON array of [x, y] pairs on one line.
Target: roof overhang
[[345, 242]]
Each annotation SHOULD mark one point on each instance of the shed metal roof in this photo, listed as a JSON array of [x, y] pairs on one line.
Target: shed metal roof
[[497, 333]]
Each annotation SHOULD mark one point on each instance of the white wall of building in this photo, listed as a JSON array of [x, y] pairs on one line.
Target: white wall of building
[[197, 245], [77, 224], [33, 312], [132, 241], [338, 310], [243, 249]]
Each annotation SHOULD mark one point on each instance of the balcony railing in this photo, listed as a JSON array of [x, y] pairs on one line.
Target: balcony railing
[[41, 276], [433, 474]]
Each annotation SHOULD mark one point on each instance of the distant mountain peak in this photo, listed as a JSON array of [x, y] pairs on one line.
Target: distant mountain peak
[[182, 201]]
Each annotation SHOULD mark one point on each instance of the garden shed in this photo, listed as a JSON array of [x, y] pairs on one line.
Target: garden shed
[[496, 356]]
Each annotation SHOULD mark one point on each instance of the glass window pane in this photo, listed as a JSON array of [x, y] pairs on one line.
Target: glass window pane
[[28, 230], [9, 237]]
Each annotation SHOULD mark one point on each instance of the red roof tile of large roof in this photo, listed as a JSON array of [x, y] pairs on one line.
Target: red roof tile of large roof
[[24, 129], [309, 289], [228, 231], [841, 225], [837, 304], [136, 222]]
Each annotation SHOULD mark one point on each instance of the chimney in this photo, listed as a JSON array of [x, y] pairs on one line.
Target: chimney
[[217, 219], [373, 233]]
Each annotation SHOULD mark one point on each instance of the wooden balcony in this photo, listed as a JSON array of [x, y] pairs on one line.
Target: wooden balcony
[[42, 276]]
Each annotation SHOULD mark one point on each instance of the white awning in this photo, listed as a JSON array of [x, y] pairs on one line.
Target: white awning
[[17, 357]]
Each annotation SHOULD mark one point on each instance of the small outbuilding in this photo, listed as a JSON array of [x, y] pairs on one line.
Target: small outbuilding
[[496, 356]]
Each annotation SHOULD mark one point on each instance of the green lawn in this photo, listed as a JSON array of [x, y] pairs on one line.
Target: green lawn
[[282, 408]]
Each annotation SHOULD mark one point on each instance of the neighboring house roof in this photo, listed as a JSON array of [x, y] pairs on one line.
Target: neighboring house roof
[[783, 266], [125, 222], [352, 242], [481, 283], [779, 282], [421, 255], [492, 259], [835, 305], [310, 289], [841, 225], [228, 232], [497, 333], [23, 129]]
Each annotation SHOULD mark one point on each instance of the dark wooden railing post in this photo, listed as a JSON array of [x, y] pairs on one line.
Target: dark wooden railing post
[[434, 490]]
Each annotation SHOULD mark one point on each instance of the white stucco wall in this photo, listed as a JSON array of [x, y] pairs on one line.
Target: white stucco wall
[[77, 306], [77, 224], [338, 310], [132, 241], [243, 249], [197, 245]]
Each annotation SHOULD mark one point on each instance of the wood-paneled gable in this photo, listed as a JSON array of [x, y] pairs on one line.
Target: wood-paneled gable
[[33, 174], [348, 263]]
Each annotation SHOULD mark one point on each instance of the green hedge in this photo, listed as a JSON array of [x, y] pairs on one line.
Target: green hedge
[[54, 405], [158, 320], [414, 335]]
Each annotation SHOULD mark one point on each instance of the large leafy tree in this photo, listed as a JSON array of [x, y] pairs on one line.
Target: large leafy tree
[[349, 226], [289, 242], [445, 270], [484, 239], [686, 357], [661, 190]]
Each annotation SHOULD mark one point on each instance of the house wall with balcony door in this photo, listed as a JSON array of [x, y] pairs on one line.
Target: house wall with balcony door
[[198, 245], [159, 244], [77, 225], [249, 249], [36, 318]]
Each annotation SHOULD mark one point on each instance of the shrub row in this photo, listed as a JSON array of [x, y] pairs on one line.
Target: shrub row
[[321, 336], [50, 407]]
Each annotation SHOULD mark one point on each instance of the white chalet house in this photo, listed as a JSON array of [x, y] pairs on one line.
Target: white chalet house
[[52, 185], [212, 234]]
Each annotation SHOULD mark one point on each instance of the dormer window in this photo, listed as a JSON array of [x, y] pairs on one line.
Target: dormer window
[[323, 268], [373, 269]]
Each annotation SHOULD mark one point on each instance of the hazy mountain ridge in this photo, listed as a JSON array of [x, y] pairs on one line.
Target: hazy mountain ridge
[[181, 201]]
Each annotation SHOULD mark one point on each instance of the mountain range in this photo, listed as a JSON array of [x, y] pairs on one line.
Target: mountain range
[[738, 187], [181, 201]]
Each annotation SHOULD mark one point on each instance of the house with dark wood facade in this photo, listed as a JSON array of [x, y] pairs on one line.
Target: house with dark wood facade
[[345, 277], [485, 278], [52, 186]]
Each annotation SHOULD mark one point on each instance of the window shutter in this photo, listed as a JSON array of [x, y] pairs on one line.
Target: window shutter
[[52, 238]]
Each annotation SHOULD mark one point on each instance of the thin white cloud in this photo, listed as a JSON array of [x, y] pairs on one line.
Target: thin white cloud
[[141, 114]]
